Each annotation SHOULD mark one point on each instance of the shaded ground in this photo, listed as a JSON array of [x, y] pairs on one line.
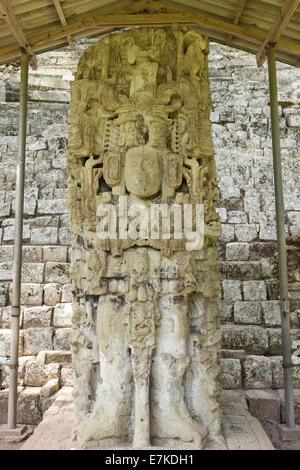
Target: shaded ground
[[272, 432], [4, 445], [11, 445]]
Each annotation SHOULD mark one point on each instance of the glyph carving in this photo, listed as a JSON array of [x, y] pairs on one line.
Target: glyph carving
[[145, 337]]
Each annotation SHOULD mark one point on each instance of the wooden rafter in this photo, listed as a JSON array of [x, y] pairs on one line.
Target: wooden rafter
[[236, 20], [278, 26], [17, 32], [63, 20]]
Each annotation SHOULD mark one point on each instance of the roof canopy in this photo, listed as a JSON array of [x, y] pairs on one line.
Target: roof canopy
[[36, 26]]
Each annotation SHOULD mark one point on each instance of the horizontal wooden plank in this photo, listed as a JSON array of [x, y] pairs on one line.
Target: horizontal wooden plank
[[74, 9], [273, 3], [289, 33], [265, 19], [257, 24], [226, 10], [198, 4], [20, 6], [216, 11], [261, 10]]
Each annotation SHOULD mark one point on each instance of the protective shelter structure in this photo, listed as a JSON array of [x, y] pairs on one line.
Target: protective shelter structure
[[268, 28]]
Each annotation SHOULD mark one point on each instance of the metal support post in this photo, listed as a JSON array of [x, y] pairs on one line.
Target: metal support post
[[17, 262], [282, 261]]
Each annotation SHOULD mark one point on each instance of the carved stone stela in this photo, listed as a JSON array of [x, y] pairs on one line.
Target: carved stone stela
[[145, 338]]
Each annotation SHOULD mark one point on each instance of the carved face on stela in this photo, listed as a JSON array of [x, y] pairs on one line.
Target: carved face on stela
[[143, 164], [143, 171]]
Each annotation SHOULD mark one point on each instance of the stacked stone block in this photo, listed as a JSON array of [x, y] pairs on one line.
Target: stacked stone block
[[251, 354]]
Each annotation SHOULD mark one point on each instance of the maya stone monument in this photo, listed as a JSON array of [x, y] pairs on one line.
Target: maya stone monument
[[145, 338]]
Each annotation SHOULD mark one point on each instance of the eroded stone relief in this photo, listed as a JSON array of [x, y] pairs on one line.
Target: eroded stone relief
[[145, 333]]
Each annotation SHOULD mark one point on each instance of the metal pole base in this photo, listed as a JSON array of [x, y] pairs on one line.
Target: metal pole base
[[289, 434], [18, 434]]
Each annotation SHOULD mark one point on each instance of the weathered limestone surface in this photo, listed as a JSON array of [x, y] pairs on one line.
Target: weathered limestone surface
[[242, 140], [145, 326]]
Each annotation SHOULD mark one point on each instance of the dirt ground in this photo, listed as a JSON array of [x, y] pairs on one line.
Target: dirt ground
[[272, 432], [4, 445], [10, 445]]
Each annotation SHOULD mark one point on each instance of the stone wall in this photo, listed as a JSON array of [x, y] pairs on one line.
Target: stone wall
[[241, 132]]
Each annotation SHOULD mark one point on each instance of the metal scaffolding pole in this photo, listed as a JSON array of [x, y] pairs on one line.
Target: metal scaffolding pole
[[17, 262], [282, 261]]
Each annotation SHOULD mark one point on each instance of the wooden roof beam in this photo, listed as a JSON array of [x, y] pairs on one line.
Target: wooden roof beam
[[17, 32], [238, 15], [63, 20], [101, 23], [163, 19], [278, 26]]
